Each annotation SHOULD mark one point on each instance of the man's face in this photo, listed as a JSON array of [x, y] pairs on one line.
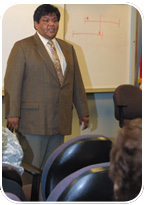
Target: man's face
[[48, 26]]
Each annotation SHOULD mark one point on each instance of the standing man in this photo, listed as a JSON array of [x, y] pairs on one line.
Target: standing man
[[42, 83]]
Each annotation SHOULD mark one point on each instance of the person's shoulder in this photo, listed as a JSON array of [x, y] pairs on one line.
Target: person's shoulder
[[26, 41]]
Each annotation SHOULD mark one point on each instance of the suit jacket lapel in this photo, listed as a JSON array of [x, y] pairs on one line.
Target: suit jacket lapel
[[45, 56]]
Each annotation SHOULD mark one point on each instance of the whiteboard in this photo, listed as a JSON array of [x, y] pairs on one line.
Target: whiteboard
[[17, 24], [101, 35]]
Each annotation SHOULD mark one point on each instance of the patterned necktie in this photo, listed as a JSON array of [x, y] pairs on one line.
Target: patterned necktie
[[56, 62]]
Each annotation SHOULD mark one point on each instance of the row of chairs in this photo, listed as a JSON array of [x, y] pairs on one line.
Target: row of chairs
[[78, 169], [75, 166]]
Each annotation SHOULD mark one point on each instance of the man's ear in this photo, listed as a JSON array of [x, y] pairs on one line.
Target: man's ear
[[35, 24]]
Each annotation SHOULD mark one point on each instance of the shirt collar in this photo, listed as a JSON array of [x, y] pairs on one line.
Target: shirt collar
[[45, 40]]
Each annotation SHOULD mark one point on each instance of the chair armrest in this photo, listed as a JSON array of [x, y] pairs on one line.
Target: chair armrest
[[121, 118], [31, 169], [36, 173], [121, 106]]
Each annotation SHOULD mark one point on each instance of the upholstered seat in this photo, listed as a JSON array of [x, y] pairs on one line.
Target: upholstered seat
[[90, 183], [72, 156], [127, 102]]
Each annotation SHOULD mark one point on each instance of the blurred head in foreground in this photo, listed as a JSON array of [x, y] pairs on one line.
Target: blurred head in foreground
[[126, 161]]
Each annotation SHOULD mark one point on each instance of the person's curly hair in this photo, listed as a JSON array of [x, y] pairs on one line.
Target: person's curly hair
[[126, 161]]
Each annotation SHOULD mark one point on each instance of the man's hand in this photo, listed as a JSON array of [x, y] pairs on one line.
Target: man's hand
[[13, 123], [84, 122]]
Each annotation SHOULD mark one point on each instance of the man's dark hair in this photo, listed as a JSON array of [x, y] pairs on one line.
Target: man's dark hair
[[45, 9]]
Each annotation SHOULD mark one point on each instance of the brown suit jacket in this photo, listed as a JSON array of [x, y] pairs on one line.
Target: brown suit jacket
[[33, 93]]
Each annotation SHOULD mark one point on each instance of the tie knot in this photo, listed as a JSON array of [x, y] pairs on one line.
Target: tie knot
[[51, 43]]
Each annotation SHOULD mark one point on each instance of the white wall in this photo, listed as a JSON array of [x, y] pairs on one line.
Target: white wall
[[102, 120]]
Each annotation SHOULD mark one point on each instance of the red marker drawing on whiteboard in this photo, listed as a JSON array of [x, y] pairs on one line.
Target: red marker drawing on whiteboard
[[100, 21]]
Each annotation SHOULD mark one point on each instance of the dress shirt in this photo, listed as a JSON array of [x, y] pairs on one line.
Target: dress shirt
[[58, 49]]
